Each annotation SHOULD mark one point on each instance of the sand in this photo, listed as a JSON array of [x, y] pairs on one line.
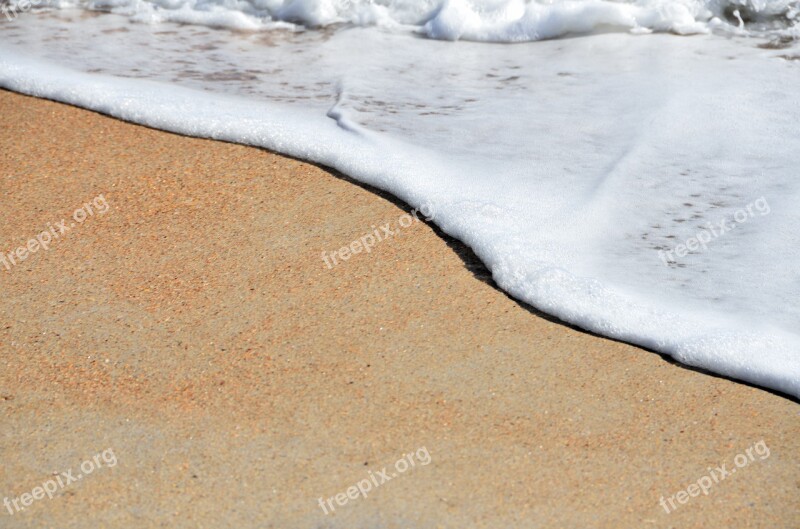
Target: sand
[[194, 332]]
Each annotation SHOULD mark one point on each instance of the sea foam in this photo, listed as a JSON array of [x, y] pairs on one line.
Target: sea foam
[[482, 20]]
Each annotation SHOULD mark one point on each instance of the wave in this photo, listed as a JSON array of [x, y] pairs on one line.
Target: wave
[[478, 20], [643, 188]]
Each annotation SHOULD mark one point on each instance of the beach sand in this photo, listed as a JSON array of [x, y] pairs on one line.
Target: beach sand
[[194, 330]]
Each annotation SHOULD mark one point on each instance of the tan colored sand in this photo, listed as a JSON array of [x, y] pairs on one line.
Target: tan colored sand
[[195, 331]]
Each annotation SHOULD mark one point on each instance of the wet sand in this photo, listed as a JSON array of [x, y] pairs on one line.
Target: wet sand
[[195, 331]]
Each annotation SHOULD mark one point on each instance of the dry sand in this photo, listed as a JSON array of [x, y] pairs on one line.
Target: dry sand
[[195, 331]]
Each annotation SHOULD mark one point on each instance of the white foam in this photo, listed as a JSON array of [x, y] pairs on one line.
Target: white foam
[[567, 165], [482, 20]]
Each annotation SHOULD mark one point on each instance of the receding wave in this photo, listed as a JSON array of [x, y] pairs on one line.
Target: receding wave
[[636, 183]]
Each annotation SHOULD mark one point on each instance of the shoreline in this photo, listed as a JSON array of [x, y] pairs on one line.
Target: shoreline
[[194, 330]]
